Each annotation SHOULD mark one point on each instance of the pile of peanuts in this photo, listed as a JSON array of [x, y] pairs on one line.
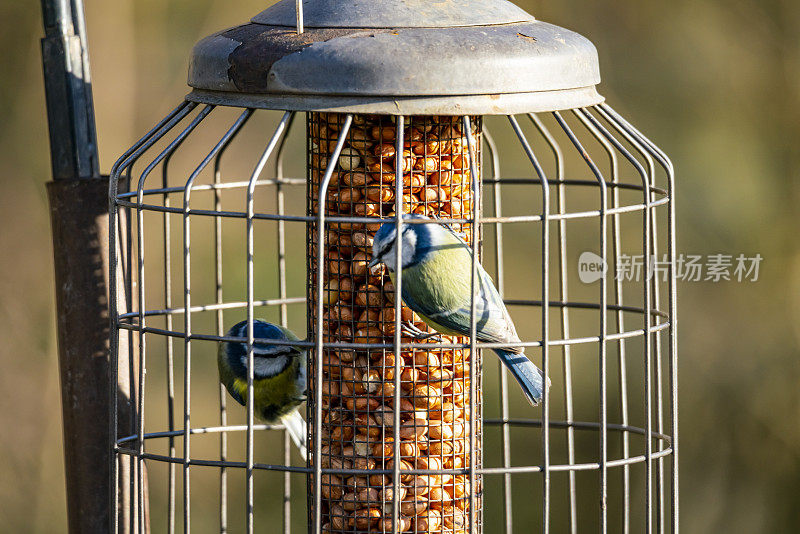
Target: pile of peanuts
[[358, 385]]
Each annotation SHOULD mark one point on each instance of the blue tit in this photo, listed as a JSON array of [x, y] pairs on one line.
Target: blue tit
[[279, 376], [436, 284]]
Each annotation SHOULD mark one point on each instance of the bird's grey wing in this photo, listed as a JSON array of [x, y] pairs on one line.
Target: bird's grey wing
[[503, 329], [493, 322], [454, 319], [420, 305]]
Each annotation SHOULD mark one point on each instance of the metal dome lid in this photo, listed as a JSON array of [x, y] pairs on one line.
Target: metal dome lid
[[394, 14], [397, 57]]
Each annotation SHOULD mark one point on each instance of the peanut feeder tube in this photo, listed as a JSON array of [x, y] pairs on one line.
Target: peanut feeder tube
[[358, 386]]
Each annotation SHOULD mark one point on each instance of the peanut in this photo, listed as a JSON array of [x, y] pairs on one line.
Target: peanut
[[363, 519], [429, 521], [425, 396], [413, 505], [427, 164], [330, 294], [368, 295], [349, 159], [379, 194], [339, 517], [415, 181], [454, 518], [429, 147], [359, 404], [363, 240], [387, 492], [385, 133], [429, 194], [371, 334], [382, 170], [356, 179], [386, 366], [331, 487], [367, 209], [386, 524]]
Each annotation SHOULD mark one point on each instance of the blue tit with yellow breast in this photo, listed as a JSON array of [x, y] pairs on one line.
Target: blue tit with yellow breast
[[279, 376], [436, 284]]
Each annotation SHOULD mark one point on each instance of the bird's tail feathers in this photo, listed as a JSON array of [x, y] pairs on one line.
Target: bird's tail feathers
[[529, 376], [296, 426]]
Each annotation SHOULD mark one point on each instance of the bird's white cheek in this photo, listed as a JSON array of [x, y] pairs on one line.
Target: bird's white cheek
[[409, 249]]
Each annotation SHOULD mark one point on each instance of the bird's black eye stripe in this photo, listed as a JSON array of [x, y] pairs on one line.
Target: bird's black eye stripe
[[383, 250]]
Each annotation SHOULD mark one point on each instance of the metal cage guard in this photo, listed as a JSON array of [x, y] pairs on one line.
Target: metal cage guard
[[619, 327]]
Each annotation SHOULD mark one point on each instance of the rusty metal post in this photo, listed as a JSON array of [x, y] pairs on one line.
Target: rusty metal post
[[78, 199], [79, 219]]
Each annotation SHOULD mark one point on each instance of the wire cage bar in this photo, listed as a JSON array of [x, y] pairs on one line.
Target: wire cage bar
[[203, 248]]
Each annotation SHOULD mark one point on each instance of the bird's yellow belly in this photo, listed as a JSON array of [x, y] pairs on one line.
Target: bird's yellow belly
[[274, 397]]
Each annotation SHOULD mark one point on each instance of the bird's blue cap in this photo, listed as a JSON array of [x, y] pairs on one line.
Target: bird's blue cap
[[386, 230], [261, 330]]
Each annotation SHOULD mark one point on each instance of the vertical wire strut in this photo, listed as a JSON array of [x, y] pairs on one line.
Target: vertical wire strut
[[322, 199], [618, 296], [140, 303], [251, 185], [603, 320], [647, 319], [545, 270], [656, 300], [310, 327], [564, 296], [170, 349], [666, 164], [281, 235], [473, 334], [221, 144], [162, 156], [125, 162], [220, 328], [649, 150], [219, 323], [612, 156], [504, 412], [170, 352], [398, 288]]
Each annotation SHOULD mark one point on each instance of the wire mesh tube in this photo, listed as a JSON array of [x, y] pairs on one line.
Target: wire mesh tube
[[360, 399]]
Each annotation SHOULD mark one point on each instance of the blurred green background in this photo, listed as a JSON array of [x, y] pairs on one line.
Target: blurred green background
[[714, 83]]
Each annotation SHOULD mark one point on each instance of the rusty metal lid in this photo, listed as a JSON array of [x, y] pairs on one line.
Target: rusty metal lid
[[397, 57]]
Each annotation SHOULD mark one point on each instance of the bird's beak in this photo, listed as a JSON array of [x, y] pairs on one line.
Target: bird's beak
[[374, 261]]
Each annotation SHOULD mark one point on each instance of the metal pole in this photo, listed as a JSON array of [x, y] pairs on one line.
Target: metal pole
[[78, 198], [68, 89]]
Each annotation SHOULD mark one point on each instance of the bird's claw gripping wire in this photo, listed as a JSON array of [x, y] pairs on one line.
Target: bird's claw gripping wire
[[413, 331]]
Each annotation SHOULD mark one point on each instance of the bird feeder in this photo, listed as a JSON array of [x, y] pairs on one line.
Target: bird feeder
[[398, 99]]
